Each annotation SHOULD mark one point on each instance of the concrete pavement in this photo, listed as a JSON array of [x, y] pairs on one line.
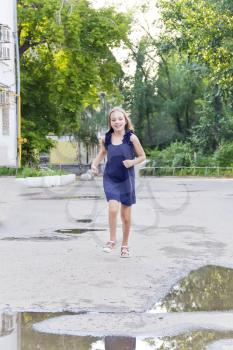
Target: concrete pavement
[[179, 224]]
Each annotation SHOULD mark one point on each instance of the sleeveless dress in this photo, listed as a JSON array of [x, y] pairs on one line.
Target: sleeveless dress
[[119, 181]]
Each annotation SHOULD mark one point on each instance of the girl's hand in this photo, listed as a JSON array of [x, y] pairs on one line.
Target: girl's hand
[[94, 169], [128, 163]]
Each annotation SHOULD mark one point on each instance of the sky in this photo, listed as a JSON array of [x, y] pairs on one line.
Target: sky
[[141, 20]]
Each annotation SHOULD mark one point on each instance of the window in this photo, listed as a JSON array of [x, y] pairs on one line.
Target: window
[[5, 121], [4, 52], [4, 98], [4, 40], [4, 34]]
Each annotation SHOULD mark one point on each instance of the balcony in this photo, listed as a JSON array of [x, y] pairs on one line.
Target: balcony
[[4, 97], [4, 34], [4, 52]]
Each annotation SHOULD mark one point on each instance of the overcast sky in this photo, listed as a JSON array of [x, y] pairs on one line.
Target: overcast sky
[[141, 20], [145, 19]]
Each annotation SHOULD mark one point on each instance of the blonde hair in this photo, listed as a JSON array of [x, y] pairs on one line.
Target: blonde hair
[[129, 124]]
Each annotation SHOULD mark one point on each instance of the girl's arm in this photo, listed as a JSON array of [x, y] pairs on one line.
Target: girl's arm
[[100, 156], [138, 150]]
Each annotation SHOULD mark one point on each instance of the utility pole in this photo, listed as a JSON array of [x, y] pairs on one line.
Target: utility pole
[[20, 140], [102, 96]]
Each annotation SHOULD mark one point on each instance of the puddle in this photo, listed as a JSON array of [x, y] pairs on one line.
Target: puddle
[[30, 194], [85, 221], [68, 234], [90, 197], [52, 197], [39, 238], [197, 340], [17, 333], [78, 231], [209, 288]]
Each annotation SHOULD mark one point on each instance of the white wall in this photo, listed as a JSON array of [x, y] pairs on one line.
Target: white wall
[[10, 341], [8, 143]]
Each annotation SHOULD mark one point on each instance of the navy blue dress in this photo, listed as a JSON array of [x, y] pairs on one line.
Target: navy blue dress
[[119, 181]]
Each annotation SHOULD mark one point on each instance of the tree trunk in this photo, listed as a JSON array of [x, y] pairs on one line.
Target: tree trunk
[[217, 103], [87, 155], [187, 121], [79, 152], [149, 136], [178, 123]]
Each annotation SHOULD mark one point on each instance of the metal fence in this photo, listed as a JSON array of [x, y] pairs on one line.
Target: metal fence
[[182, 170]]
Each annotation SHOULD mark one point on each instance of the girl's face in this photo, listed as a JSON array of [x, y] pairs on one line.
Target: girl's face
[[117, 121]]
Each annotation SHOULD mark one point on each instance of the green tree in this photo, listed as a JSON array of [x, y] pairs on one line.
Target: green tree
[[66, 60], [140, 93], [202, 30], [163, 105]]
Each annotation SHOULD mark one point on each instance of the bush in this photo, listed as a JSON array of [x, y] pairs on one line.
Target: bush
[[224, 154], [36, 172], [201, 159], [31, 172], [5, 171], [177, 154], [180, 154]]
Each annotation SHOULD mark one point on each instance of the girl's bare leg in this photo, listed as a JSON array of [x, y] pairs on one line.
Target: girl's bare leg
[[113, 208], [126, 223]]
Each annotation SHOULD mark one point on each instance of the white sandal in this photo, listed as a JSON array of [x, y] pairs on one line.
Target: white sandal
[[125, 253], [110, 245]]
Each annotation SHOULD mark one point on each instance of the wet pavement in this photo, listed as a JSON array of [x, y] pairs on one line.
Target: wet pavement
[[174, 293], [221, 345], [209, 288], [77, 231], [20, 331]]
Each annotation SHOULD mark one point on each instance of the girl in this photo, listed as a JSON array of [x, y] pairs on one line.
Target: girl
[[121, 145]]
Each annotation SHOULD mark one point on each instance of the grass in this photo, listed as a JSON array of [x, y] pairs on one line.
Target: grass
[[31, 172]]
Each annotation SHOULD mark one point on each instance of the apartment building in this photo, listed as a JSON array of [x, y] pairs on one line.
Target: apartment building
[[8, 101]]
